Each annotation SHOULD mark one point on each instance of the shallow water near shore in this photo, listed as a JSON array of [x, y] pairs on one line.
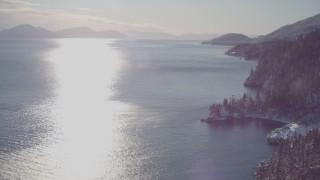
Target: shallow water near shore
[[111, 109]]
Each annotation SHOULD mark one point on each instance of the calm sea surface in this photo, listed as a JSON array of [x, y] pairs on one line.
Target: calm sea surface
[[110, 109]]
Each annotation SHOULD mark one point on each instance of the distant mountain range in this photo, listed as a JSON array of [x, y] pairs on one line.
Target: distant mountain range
[[85, 32], [27, 31], [288, 32]]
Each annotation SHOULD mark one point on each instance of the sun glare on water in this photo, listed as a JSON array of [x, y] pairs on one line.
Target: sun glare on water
[[86, 117]]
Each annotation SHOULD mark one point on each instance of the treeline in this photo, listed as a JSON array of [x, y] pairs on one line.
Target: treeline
[[293, 85], [239, 106], [288, 74], [296, 158]]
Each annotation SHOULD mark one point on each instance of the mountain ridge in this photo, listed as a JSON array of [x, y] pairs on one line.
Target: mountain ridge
[[27, 31], [287, 33], [294, 30]]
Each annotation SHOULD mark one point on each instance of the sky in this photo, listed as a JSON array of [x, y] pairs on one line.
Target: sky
[[251, 17]]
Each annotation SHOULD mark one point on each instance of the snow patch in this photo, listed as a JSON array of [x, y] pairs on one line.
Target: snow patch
[[280, 134]]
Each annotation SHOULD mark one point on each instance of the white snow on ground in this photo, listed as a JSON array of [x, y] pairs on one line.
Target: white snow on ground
[[287, 131]]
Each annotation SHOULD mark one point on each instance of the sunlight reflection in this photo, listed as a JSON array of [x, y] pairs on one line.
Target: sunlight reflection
[[86, 70]]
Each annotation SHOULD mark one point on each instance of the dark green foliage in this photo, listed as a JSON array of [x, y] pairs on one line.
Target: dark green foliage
[[294, 74], [290, 77], [241, 106], [225, 102], [295, 158], [215, 109], [288, 73], [255, 51]]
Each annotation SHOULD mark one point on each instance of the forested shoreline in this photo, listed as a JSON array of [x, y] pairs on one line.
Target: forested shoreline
[[288, 77]]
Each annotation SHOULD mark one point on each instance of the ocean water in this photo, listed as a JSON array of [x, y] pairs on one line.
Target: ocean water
[[113, 109]]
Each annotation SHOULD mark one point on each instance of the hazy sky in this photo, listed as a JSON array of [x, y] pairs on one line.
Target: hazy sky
[[251, 17]]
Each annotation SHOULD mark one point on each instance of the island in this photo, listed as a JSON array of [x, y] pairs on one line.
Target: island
[[229, 39]]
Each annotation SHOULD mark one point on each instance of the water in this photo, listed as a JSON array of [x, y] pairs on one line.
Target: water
[[109, 109]]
